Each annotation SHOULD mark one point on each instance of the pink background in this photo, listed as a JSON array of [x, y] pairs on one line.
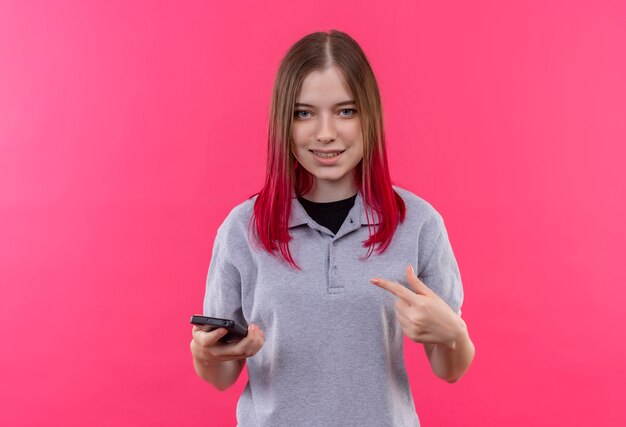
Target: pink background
[[128, 131]]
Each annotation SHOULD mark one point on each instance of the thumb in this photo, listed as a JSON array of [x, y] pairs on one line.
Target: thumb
[[255, 329], [416, 284]]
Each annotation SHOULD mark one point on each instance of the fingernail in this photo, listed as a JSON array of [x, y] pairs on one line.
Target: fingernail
[[412, 271], [375, 281]]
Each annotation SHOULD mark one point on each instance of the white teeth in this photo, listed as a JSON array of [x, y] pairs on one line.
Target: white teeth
[[327, 155]]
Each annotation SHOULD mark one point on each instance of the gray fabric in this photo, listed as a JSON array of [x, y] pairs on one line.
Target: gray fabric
[[333, 353]]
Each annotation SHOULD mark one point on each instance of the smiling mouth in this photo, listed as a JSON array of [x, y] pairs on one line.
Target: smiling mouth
[[329, 155]]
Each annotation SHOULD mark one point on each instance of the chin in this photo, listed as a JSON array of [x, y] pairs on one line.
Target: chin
[[326, 177]]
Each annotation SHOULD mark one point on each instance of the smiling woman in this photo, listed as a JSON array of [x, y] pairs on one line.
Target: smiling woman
[[334, 349], [327, 139]]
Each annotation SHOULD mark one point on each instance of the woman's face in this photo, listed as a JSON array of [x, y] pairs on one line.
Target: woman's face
[[326, 122]]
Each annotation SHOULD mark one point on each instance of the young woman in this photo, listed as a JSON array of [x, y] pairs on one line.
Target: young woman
[[330, 265]]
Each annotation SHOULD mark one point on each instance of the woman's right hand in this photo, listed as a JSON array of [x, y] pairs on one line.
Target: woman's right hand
[[206, 349]]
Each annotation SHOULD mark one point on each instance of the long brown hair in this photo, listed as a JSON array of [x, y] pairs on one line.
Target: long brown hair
[[318, 51]]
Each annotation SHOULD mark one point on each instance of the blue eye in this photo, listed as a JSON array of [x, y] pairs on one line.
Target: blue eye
[[303, 114], [299, 116], [352, 111]]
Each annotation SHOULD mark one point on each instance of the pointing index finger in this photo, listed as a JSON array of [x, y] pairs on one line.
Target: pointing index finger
[[395, 288]]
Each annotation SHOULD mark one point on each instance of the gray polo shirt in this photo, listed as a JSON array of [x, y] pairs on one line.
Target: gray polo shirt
[[333, 352]]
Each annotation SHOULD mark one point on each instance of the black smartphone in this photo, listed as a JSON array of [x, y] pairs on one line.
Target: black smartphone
[[236, 331]]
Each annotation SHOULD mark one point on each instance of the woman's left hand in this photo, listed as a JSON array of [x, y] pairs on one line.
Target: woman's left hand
[[422, 314]]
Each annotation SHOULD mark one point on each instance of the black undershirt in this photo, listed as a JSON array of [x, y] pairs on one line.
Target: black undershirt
[[330, 214]]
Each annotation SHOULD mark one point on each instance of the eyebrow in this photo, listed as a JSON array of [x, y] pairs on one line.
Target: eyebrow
[[339, 104]]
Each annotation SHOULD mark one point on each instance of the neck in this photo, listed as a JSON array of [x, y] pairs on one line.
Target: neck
[[324, 191]]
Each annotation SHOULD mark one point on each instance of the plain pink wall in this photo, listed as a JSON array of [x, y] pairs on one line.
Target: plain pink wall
[[128, 131]]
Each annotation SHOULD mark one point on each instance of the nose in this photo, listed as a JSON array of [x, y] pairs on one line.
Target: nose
[[327, 131]]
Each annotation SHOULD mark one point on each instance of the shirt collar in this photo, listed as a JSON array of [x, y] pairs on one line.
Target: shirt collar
[[299, 215]]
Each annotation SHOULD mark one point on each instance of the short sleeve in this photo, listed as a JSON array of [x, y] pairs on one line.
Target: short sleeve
[[222, 296], [439, 270]]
